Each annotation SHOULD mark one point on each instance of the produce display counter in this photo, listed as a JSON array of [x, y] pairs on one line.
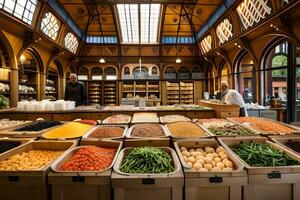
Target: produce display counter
[[222, 110], [101, 114], [268, 182]]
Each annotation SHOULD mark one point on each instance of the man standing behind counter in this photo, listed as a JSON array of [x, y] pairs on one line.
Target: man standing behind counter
[[76, 91], [233, 97]]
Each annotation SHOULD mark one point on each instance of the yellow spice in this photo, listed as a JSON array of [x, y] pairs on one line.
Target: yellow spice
[[68, 130], [185, 129]]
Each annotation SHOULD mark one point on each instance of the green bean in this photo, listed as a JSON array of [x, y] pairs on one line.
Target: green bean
[[147, 160], [262, 155]]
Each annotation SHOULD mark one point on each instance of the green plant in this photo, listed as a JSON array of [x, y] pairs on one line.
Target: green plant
[[4, 102]]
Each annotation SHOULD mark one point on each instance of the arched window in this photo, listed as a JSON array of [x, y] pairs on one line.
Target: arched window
[[184, 73], [196, 73], [97, 73], [71, 42], [50, 25], [83, 73], [126, 71], [170, 73], [154, 71], [140, 73], [23, 9], [110, 73], [275, 74]]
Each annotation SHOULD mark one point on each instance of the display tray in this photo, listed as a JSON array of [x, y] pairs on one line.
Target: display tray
[[105, 121], [86, 136], [202, 143], [129, 132], [15, 126], [296, 130], [255, 132], [110, 144], [228, 143], [12, 133], [205, 134], [36, 145], [165, 121], [22, 141], [170, 151], [152, 118], [282, 140]]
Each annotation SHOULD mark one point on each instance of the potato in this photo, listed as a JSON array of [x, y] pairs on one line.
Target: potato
[[183, 149], [208, 160], [221, 165], [209, 150], [185, 158], [194, 154], [191, 150], [215, 155], [220, 148], [201, 161], [208, 166], [189, 164], [216, 169], [197, 166], [199, 157], [186, 153], [191, 159], [199, 150], [203, 170], [217, 159], [224, 156], [229, 164]]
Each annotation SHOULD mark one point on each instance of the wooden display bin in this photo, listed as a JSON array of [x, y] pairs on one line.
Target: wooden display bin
[[282, 140], [276, 183], [82, 185], [148, 186], [211, 185], [22, 141], [222, 110], [16, 185]]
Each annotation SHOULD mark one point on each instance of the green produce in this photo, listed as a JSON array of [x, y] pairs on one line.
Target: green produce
[[262, 155], [147, 160], [4, 102], [230, 130]]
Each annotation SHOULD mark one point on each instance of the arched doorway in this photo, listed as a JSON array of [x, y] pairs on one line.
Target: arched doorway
[[30, 68], [245, 78], [54, 75], [5, 69]]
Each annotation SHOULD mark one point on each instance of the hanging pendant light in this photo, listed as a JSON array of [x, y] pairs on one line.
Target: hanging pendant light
[[102, 60], [178, 60]]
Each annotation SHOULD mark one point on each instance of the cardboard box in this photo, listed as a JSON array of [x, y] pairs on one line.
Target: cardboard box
[[276, 183], [211, 185]]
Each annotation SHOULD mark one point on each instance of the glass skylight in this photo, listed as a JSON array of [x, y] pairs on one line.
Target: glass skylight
[[132, 25], [49, 25], [23, 10]]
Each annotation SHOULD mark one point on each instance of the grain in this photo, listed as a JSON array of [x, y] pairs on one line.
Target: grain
[[185, 129], [107, 132], [147, 130]]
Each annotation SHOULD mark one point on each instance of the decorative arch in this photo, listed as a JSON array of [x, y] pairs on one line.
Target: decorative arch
[[83, 73], [170, 72], [34, 52], [9, 50]]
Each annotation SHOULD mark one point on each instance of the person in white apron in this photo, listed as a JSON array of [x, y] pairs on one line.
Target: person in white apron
[[233, 97]]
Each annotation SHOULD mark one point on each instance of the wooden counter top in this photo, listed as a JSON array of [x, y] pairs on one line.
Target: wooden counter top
[[222, 110]]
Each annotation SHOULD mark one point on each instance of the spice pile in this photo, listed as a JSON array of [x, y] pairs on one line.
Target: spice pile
[[185, 129], [38, 126], [265, 126], [222, 127], [207, 159], [90, 158], [145, 117], [68, 130], [4, 123], [262, 155], [106, 132], [174, 118], [147, 160], [147, 130], [7, 145], [117, 119], [31, 160]]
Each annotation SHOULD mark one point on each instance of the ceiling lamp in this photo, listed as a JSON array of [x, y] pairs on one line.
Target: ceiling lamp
[[178, 60], [102, 60], [23, 59]]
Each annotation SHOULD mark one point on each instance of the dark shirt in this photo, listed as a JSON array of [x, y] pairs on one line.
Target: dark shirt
[[76, 92]]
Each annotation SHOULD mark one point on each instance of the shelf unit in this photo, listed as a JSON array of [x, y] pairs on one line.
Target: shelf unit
[[28, 77], [94, 93], [5, 79], [52, 86], [180, 92], [141, 88], [110, 92]]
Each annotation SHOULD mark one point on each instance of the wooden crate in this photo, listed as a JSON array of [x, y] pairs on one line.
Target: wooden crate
[[211, 185], [276, 183], [147, 186], [282, 140], [16, 185], [22, 141], [82, 185]]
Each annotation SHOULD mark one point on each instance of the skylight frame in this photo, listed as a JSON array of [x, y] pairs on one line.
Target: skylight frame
[[139, 23]]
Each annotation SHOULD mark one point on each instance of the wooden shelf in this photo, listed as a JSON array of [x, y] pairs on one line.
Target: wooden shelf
[[27, 93]]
